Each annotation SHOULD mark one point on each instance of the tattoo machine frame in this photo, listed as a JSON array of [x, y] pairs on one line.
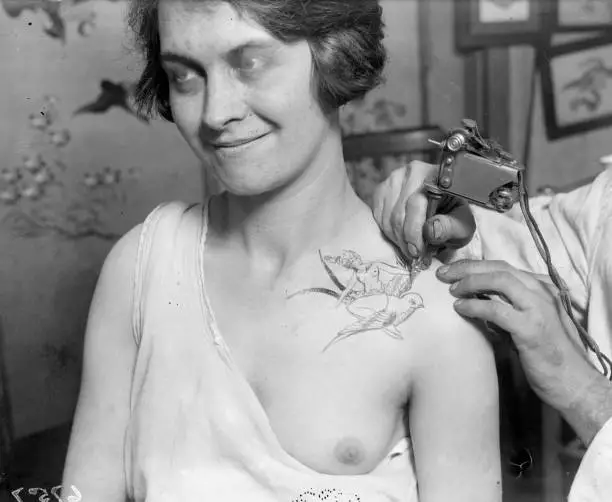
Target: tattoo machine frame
[[481, 172]]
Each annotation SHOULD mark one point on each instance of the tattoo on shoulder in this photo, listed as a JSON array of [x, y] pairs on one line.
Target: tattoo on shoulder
[[377, 294]]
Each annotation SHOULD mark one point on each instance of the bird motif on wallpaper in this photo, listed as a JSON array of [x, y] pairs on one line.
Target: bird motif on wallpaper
[[590, 84], [56, 20], [112, 95], [56, 27]]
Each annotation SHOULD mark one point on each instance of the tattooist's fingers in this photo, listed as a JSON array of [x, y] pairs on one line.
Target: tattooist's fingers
[[415, 202], [499, 313], [454, 229], [461, 268], [504, 284]]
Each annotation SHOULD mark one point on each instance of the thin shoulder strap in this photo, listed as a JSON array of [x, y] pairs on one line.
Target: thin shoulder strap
[[158, 227]]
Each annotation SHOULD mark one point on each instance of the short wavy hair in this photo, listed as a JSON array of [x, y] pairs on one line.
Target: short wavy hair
[[345, 39]]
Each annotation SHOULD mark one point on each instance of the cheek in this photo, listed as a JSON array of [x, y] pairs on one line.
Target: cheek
[[187, 114]]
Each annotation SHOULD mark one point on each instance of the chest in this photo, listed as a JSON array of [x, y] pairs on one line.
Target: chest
[[332, 381]]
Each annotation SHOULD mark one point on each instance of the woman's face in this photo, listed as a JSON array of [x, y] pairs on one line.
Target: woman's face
[[242, 99]]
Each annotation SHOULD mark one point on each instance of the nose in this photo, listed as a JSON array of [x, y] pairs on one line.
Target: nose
[[224, 102]]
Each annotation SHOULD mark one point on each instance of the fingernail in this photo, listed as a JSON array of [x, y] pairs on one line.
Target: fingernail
[[412, 250], [436, 229], [458, 303], [443, 270], [453, 286]]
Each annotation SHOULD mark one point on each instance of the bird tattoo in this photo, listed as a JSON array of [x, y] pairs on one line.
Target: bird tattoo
[[376, 294], [379, 312], [112, 95]]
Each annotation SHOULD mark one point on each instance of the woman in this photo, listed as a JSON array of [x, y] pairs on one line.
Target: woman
[[267, 345]]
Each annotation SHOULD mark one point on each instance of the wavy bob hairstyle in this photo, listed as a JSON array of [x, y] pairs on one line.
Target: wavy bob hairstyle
[[345, 39]]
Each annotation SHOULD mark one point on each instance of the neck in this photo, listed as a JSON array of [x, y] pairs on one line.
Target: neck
[[275, 229]]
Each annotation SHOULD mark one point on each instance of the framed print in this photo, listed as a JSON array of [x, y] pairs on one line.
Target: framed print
[[581, 15], [577, 86], [486, 23]]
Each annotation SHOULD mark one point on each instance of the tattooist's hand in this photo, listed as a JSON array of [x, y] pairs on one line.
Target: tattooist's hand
[[400, 209], [528, 307]]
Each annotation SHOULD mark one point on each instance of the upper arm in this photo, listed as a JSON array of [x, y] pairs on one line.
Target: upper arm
[[94, 463], [454, 417]]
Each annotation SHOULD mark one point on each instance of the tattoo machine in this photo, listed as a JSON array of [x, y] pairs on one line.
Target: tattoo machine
[[481, 172]]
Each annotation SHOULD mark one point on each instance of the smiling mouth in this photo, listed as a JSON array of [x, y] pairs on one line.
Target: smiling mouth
[[234, 144]]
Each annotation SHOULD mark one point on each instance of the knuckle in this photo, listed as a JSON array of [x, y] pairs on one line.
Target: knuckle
[[504, 277], [499, 311], [503, 264], [396, 218], [396, 174]]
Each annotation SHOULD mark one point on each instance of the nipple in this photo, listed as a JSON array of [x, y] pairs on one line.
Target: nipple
[[349, 451]]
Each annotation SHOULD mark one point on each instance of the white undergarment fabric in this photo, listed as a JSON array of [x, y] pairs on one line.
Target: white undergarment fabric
[[197, 430]]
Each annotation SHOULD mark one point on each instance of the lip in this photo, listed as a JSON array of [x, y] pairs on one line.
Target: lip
[[227, 145]]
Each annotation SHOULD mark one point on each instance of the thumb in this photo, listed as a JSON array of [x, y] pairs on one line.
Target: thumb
[[455, 229]]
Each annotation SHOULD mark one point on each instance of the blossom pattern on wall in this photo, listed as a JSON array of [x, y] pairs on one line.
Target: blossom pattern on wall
[[42, 195], [364, 116]]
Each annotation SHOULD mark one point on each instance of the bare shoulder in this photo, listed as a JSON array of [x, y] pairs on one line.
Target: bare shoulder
[[114, 290], [121, 259], [446, 334]]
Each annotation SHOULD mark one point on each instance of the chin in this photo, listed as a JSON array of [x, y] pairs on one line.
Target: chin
[[252, 183], [253, 189]]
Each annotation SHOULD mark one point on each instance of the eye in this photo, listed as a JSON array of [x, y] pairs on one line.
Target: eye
[[250, 63], [182, 79]]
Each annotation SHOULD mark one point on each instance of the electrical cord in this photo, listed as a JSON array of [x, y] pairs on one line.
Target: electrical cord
[[587, 340]]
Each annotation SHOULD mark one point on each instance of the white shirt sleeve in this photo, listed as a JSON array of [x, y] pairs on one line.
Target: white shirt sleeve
[[570, 223], [593, 481]]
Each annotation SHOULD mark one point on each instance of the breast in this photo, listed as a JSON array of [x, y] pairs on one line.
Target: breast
[[340, 417]]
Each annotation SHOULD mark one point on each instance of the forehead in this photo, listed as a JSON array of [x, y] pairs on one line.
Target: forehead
[[205, 26]]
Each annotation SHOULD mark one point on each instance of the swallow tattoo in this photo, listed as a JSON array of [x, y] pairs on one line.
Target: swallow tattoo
[[111, 95], [375, 293]]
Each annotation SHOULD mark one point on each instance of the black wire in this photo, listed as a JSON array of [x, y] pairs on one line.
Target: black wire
[[540, 242]]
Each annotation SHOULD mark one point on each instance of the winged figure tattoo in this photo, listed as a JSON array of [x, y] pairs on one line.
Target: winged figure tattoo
[[377, 294]]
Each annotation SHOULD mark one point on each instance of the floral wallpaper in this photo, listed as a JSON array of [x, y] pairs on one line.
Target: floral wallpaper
[[59, 20], [42, 199], [372, 114], [78, 169]]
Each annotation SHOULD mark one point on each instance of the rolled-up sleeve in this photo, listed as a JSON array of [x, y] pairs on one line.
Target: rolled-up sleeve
[[593, 481]]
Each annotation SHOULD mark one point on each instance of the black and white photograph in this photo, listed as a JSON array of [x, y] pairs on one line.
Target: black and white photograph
[[305, 251]]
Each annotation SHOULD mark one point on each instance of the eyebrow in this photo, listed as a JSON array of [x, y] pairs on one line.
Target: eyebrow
[[194, 64]]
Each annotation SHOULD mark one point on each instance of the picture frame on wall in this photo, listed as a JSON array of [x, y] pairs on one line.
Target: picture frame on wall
[[576, 81], [487, 23], [580, 15]]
